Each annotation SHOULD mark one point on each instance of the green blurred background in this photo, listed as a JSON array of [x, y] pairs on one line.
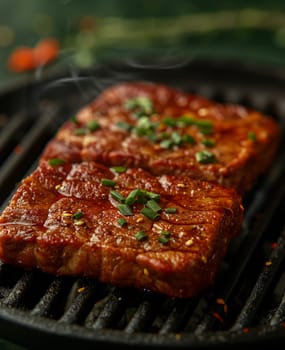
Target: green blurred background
[[90, 31]]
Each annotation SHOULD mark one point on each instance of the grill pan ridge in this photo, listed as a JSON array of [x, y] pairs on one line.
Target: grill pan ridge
[[246, 306]]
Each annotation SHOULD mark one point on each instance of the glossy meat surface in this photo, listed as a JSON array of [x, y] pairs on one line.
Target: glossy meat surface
[[165, 220], [64, 219], [166, 131]]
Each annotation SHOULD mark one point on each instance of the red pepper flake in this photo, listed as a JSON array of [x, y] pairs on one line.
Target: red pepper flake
[[283, 324], [274, 245], [19, 149], [218, 317], [245, 330]]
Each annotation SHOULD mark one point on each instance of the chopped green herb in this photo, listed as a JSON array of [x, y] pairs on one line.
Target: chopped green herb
[[205, 126], [188, 139], [131, 103], [163, 136], [169, 121], [93, 125], [144, 196], [167, 144], [166, 233], [145, 127], [140, 236], [80, 131], [206, 129], [185, 120], [205, 157], [164, 238], [152, 136], [108, 182], [77, 215], [117, 195], [132, 197], [125, 126], [252, 136], [145, 123], [149, 213], [119, 169], [154, 196], [56, 161], [170, 210], [176, 138], [208, 142], [141, 103], [122, 222], [152, 204], [125, 209], [74, 119]]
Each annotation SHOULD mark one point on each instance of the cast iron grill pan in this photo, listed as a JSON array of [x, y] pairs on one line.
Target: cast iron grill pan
[[246, 306]]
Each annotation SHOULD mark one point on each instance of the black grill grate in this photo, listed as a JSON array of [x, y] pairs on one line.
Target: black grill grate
[[247, 303]]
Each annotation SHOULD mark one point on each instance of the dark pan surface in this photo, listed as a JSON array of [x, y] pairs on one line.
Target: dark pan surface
[[246, 305]]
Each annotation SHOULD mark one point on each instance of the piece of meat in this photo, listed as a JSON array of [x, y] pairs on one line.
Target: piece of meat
[[63, 219], [166, 131]]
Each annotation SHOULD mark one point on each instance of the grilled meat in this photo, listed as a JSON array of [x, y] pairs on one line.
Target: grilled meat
[[143, 188], [169, 132], [165, 233]]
